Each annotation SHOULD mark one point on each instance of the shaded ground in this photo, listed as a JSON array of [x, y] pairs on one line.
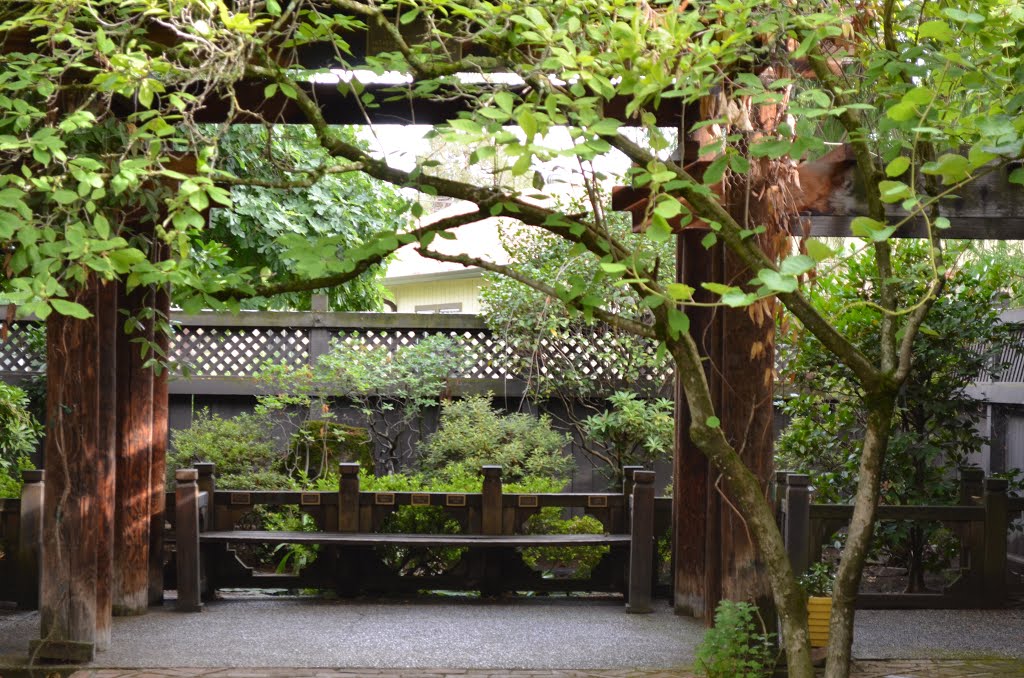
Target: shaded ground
[[527, 638]]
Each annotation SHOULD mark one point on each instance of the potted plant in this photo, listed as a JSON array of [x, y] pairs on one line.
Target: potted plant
[[817, 584]]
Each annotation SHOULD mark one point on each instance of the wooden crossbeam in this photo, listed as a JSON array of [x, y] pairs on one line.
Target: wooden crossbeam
[[990, 208]]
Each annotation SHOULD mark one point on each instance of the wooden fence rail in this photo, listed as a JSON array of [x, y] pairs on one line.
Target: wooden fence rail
[[980, 522], [219, 353]]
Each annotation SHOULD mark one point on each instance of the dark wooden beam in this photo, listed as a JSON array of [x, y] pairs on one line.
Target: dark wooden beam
[[990, 208]]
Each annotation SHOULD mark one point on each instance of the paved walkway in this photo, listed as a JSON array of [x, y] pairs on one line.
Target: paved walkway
[[472, 638]]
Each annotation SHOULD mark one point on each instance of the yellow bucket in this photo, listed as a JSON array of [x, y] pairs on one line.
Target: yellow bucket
[[818, 612]]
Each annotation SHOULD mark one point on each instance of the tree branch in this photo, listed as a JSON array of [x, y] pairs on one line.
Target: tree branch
[[613, 319], [710, 209]]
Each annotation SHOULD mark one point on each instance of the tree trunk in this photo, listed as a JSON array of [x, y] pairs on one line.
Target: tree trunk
[[858, 539], [747, 494]]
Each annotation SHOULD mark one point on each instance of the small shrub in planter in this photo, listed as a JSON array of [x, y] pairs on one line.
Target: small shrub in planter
[[817, 584]]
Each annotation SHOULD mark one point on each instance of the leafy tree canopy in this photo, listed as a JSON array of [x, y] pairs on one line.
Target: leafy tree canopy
[[100, 100]]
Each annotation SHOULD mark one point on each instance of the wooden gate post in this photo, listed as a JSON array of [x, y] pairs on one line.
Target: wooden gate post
[[797, 525], [491, 501], [994, 567], [641, 543], [186, 530], [30, 537], [348, 497]]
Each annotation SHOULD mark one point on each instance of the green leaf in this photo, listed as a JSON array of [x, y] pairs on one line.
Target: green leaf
[[668, 207], [75, 310], [678, 322], [777, 282], [64, 197], [709, 240], [796, 265], [937, 30], [605, 127], [680, 292], [869, 229], [713, 422], [102, 226], [898, 166], [658, 230], [942, 223], [613, 268], [771, 148], [893, 191], [818, 250], [1016, 176], [951, 166]]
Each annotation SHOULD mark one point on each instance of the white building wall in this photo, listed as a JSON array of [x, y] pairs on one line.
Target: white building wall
[[463, 291]]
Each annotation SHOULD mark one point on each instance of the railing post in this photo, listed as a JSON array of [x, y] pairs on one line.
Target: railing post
[[348, 497], [641, 543], [30, 539], [994, 567], [207, 483], [491, 501], [972, 481], [627, 479], [186, 532], [779, 496], [797, 528]]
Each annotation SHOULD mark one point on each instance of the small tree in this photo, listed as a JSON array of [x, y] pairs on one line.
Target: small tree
[[472, 433], [934, 425], [634, 432]]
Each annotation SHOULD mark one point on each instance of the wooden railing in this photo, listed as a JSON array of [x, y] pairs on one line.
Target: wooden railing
[[357, 550], [980, 522]]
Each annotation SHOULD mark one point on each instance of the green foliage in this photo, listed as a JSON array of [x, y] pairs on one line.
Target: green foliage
[[393, 390], [319, 445], [531, 323], [817, 580], [242, 447], [278, 231], [473, 433], [19, 435], [635, 432], [578, 561], [934, 428], [10, 477], [737, 646], [19, 431]]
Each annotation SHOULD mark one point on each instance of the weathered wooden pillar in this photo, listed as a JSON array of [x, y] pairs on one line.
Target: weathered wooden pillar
[[796, 529], [691, 477], [134, 452], [745, 363], [641, 545], [348, 497], [106, 486], [994, 559], [30, 535], [491, 501], [186, 518], [158, 452], [68, 609]]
